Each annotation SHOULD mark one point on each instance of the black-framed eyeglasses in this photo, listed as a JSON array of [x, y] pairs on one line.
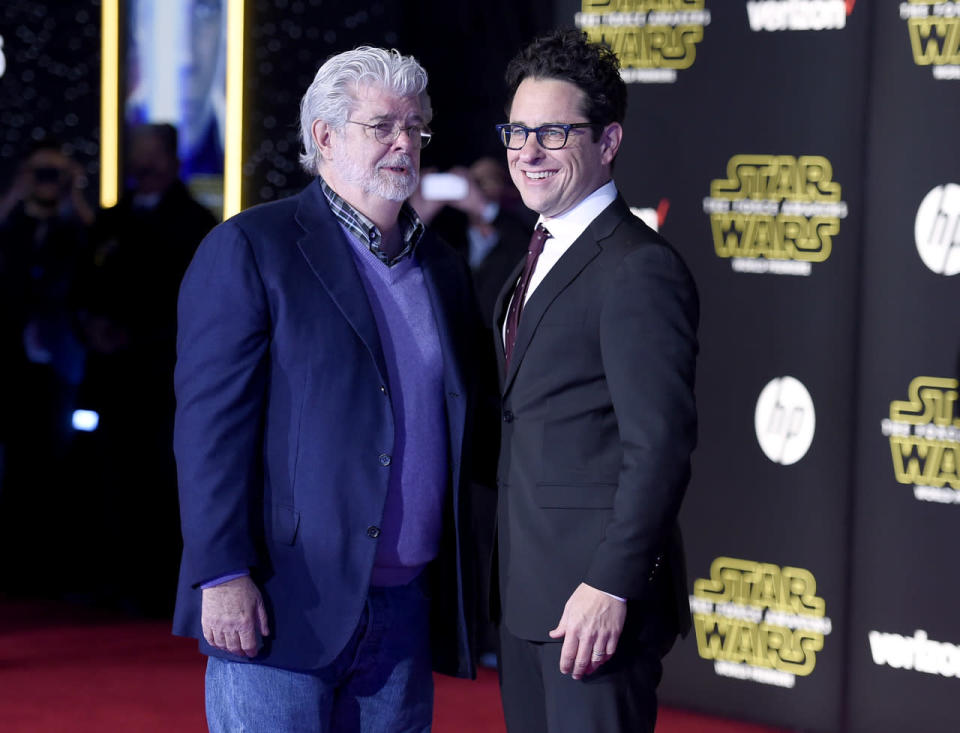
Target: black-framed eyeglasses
[[386, 132], [551, 137]]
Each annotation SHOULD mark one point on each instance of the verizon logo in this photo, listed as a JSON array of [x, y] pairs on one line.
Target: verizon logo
[[915, 652], [798, 15]]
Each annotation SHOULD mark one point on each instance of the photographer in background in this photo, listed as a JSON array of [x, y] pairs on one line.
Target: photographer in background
[[477, 210], [44, 220], [126, 307], [49, 184]]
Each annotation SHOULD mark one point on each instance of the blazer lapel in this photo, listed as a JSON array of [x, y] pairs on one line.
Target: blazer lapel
[[328, 253], [561, 274], [577, 256], [439, 275], [500, 314]]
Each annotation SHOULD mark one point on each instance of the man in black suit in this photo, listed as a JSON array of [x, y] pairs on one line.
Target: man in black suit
[[597, 347]]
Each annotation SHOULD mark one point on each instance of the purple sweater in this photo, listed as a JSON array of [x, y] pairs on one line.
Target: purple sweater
[[411, 524]]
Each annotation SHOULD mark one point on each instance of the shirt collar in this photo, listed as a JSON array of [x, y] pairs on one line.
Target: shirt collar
[[569, 225], [411, 227]]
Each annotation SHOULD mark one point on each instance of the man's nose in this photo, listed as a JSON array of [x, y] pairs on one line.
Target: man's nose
[[532, 149], [407, 139]]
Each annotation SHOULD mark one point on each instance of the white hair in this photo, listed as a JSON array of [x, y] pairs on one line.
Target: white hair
[[330, 96]]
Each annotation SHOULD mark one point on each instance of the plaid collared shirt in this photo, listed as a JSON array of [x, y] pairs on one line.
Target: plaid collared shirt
[[411, 228]]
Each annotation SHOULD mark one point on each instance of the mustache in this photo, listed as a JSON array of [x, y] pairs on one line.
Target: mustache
[[401, 160]]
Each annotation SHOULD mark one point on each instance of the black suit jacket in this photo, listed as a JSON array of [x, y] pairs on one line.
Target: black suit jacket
[[599, 422]]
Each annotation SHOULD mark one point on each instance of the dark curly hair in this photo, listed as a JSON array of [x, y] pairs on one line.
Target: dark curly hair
[[568, 55]]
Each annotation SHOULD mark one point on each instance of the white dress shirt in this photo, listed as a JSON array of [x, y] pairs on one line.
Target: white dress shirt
[[564, 230]]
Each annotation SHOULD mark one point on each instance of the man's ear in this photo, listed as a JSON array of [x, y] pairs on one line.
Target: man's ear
[[610, 140], [322, 133]]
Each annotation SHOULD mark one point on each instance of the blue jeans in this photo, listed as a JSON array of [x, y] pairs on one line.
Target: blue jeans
[[380, 683]]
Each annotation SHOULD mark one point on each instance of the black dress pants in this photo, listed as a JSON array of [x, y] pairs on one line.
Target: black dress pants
[[620, 697]]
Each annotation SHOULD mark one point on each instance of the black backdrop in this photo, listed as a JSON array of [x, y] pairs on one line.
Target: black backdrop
[[797, 168], [903, 577]]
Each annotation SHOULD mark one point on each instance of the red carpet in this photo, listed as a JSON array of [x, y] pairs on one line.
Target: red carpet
[[69, 668]]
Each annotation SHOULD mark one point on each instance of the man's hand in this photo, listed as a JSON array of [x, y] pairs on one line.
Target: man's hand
[[590, 627], [233, 617], [474, 202]]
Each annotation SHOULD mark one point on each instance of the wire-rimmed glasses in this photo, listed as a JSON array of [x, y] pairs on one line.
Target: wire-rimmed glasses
[[386, 132]]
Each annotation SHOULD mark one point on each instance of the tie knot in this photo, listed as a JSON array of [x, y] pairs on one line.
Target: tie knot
[[540, 236]]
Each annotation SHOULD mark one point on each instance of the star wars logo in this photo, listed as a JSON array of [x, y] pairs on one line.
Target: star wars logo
[[652, 38], [775, 213], [924, 433], [934, 28], [798, 15], [758, 621]]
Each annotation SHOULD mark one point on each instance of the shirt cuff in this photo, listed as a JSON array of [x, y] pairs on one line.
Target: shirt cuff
[[224, 578], [622, 600]]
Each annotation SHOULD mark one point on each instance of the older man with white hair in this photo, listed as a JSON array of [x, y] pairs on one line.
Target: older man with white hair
[[326, 386]]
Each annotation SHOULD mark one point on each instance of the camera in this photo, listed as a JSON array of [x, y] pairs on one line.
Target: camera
[[443, 187]]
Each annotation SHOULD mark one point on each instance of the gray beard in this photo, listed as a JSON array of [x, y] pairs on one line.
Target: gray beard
[[388, 185]]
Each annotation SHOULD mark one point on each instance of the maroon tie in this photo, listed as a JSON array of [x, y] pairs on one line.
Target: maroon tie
[[540, 235]]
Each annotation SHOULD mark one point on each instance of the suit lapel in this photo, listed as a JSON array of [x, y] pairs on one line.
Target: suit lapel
[[561, 274], [500, 314], [439, 276], [565, 271], [325, 248]]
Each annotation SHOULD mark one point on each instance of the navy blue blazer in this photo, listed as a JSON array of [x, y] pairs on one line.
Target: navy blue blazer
[[284, 430]]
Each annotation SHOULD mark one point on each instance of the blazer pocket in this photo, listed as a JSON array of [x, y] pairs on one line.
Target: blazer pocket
[[581, 451], [575, 496], [286, 522]]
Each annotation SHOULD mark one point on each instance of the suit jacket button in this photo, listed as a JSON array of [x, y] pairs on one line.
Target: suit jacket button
[[383, 388], [373, 532], [384, 459], [507, 416]]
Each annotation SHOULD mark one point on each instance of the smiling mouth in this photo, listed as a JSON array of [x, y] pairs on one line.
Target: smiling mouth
[[539, 175]]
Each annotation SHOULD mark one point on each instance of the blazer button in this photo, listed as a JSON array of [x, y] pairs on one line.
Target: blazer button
[[373, 532], [507, 416], [383, 388], [384, 459]]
